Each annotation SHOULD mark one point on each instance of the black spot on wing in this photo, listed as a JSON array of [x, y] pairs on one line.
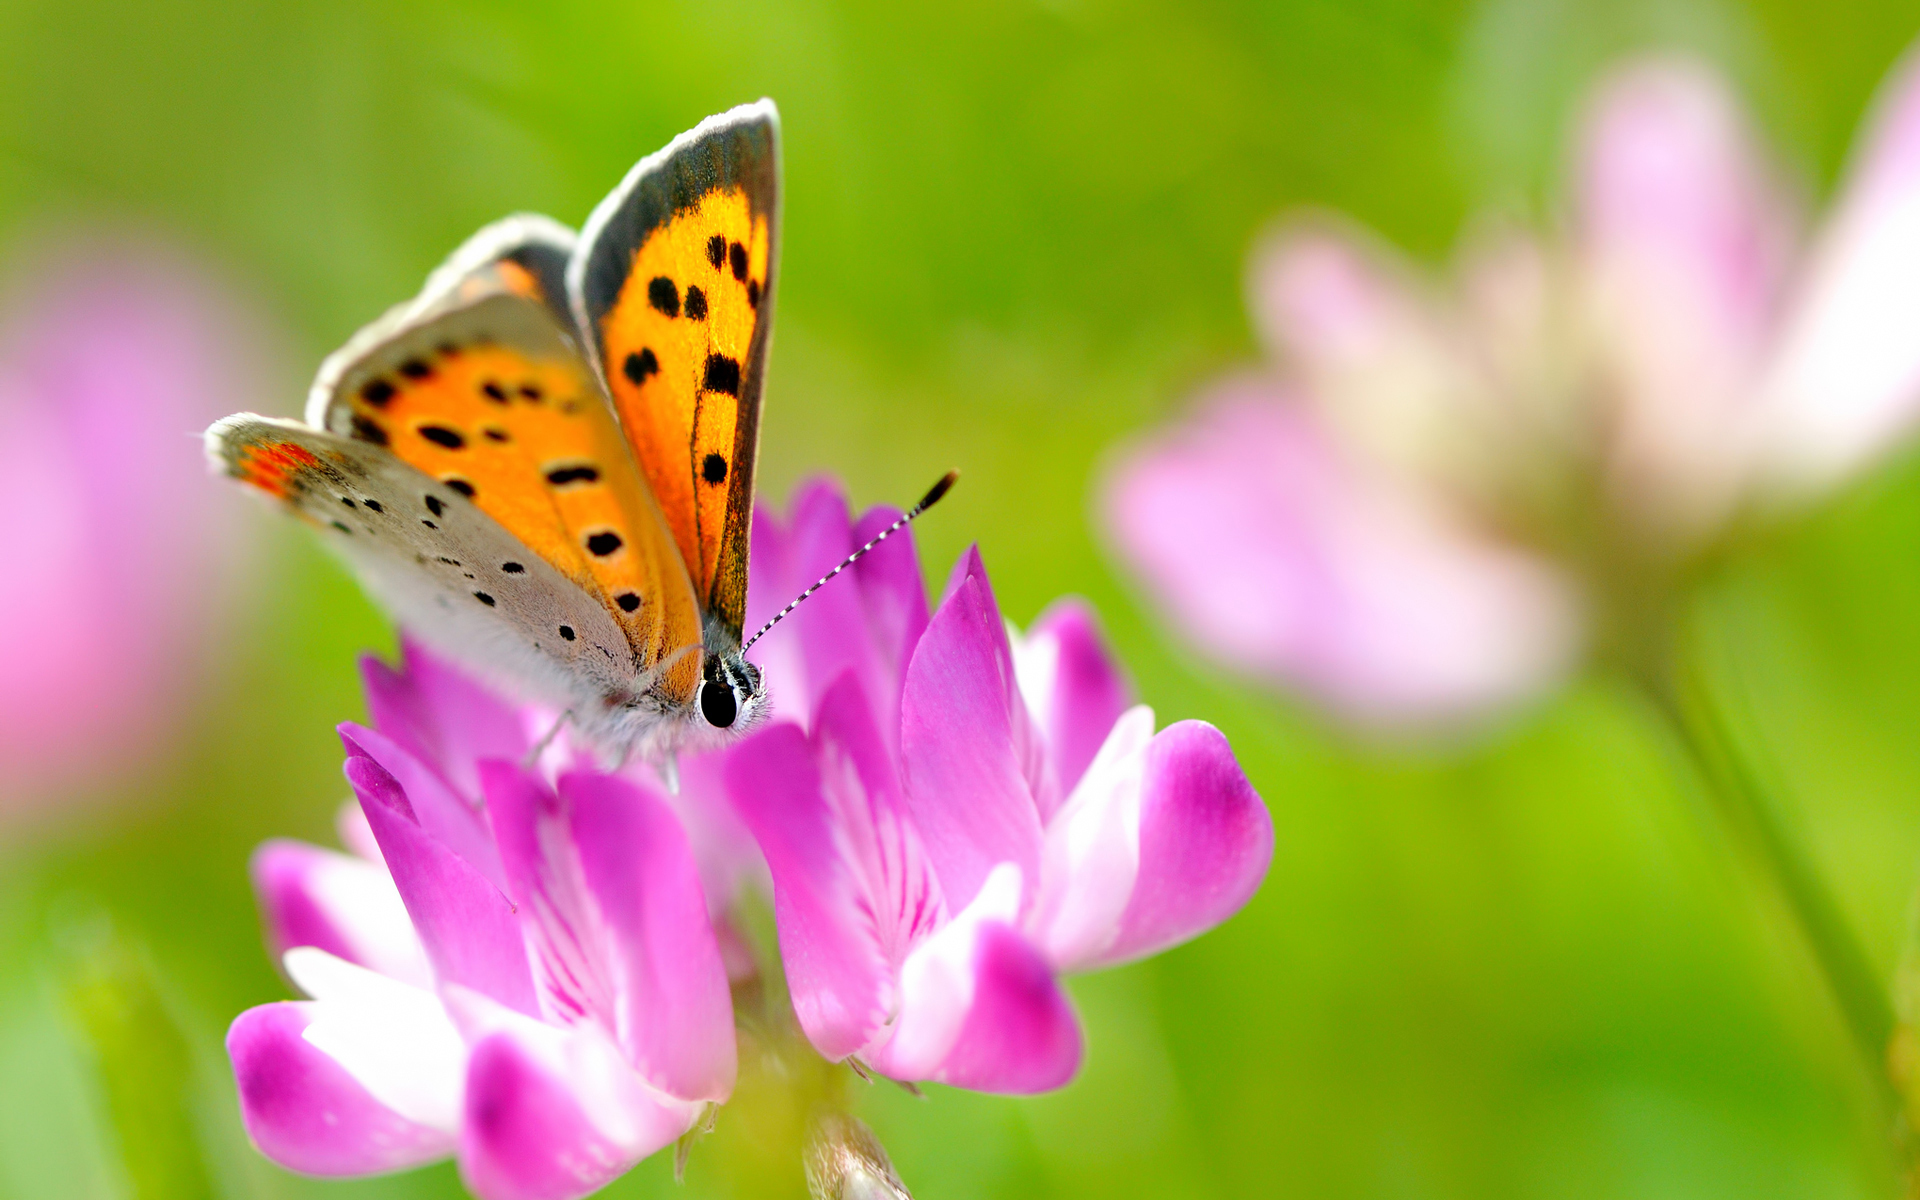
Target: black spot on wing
[[496, 435], [737, 259], [581, 473], [566, 633], [714, 469], [494, 392], [461, 486], [377, 392], [434, 505], [696, 304], [603, 543], [664, 295], [716, 250], [639, 366], [483, 598], [723, 374], [628, 601], [440, 435], [369, 430], [753, 293], [375, 505], [414, 368], [513, 568]]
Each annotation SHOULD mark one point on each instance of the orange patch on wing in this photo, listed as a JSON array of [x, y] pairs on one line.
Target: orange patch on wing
[[678, 345], [267, 466]]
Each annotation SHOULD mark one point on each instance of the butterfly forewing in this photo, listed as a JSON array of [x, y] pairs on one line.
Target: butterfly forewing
[[446, 570], [480, 388], [672, 287]]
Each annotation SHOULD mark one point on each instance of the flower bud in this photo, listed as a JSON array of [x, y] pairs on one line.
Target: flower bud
[[846, 1162]]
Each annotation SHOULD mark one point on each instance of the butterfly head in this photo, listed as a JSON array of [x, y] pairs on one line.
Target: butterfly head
[[731, 692]]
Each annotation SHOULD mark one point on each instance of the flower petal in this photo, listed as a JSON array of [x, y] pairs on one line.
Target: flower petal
[[1284, 558], [894, 596], [1378, 362], [305, 1111], [824, 907], [673, 1010], [978, 1006], [544, 881], [1073, 688], [832, 625], [341, 904], [109, 349], [468, 928], [1205, 840], [1021, 1035], [394, 1039], [447, 816], [1092, 855], [1685, 238], [1847, 379], [441, 716], [968, 790], [551, 1113]]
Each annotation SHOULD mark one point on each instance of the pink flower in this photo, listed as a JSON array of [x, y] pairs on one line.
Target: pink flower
[[1415, 516], [517, 967], [118, 554], [967, 814]]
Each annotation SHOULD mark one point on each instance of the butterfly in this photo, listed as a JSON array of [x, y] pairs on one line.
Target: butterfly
[[543, 464]]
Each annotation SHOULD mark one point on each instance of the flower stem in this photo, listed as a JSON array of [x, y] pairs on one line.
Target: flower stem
[[1752, 817]]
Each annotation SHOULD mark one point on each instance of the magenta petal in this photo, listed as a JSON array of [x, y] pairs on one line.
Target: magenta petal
[[823, 906], [544, 881], [832, 625], [338, 903], [1205, 842], [442, 716], [468, 928], [549, 1116], [1285, 557], [894, 595], [673, 1010], [967, 786], [305, 1112], [447, 816], [1073, 687], [1021, 1035]]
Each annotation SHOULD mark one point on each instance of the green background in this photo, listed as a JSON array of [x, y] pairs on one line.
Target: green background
[[1014, 233]]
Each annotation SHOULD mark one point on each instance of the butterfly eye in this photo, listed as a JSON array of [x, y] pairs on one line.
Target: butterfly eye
[[717, 704]]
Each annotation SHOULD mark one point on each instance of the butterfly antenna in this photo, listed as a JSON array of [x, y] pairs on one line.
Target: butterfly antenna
[[926, 502]]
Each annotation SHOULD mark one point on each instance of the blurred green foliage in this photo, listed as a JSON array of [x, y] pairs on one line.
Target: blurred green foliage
[[1015, 232]]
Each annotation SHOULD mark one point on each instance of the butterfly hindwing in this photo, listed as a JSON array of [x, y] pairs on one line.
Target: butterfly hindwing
[[479, 386], [446, 570], [672, 288]]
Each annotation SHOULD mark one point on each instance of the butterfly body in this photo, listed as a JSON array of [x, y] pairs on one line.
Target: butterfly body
[[579, 538]]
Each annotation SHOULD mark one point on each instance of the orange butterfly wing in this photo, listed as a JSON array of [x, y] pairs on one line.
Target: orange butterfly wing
[[480, 386], [672, 287]]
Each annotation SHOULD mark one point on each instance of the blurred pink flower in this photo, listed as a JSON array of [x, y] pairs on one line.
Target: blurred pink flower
[[119, 556], [1415, 517], [968, 813], [517, 967]]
